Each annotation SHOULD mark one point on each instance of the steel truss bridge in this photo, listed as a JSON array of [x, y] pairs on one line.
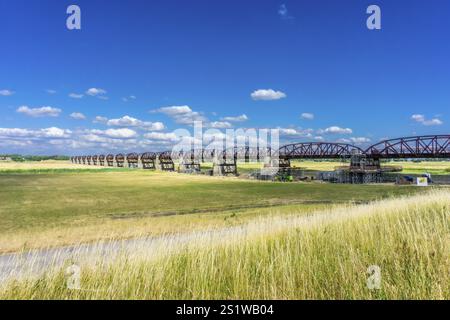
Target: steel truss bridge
[[429, 146]]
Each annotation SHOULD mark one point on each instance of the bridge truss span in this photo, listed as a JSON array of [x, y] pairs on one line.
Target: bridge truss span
[[431, 146], [317, 150]]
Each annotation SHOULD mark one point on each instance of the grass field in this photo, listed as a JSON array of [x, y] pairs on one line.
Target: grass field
[[324, 255], [47, 209]]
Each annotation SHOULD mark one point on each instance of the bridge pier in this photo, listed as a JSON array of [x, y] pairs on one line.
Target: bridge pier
[[225, 167], [189, 166], [164, 162], [110, 160]]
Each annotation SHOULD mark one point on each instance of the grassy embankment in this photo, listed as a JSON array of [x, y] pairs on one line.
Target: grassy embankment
[[322, 256]]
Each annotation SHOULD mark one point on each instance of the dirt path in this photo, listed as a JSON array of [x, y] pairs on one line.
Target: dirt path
[[36, 262]]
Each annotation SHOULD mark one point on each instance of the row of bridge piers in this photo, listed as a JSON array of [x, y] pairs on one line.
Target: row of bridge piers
[[160, 162], [364, 165]]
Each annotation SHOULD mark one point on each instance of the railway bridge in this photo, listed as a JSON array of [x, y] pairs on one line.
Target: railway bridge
[[361, 160]]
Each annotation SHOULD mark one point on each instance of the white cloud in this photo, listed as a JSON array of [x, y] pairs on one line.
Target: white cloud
[[78, 116], [39, 112], [170, 136], [288, 132], [95, 92], [420, 118], [267, 94], [6, 92], [126, 99], [51, 91], [182, 114], [100, 119], [359, 140], [307, 116], [14, 132], [220, 124], [127, 121], [240, 118], [123, 133], [76, 95], [433, 122], [52, 132], [15, 143], [304, 133], [175, 110], [284, 13], [335, 130]]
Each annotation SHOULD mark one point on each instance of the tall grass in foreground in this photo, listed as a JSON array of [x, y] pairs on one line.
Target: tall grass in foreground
[[321, 256]]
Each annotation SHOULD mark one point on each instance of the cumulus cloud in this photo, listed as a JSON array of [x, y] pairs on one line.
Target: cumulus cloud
[[359, 140], [420, 118], [39, 112], [95, 92], [307, 116], [78, 116], [335, 130], [52, 132], [182, 114], [14, 132], [169, 136], [240, 118], [220, 124], [76, 95], [127, 121], [6, 92], [292, 132], [100, 119], [267, 94], [122, 133], [55, 132]]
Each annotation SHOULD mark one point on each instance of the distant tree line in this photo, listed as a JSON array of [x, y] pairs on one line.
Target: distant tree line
[[21, 158]]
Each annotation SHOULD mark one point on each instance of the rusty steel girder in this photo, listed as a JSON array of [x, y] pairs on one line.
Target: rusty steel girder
[[432, 146], [246, 153], [317, 150], [133, 158]]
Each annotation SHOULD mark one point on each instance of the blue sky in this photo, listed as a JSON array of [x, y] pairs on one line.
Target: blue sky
[[137, 70]]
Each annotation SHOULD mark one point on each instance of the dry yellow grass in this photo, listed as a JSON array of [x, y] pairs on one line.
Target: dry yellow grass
[[321, 256], [43, 165], [91, 230]]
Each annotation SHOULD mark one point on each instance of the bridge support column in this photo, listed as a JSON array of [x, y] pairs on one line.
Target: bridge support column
[[225, 167], [164, 164], [189, 166]]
